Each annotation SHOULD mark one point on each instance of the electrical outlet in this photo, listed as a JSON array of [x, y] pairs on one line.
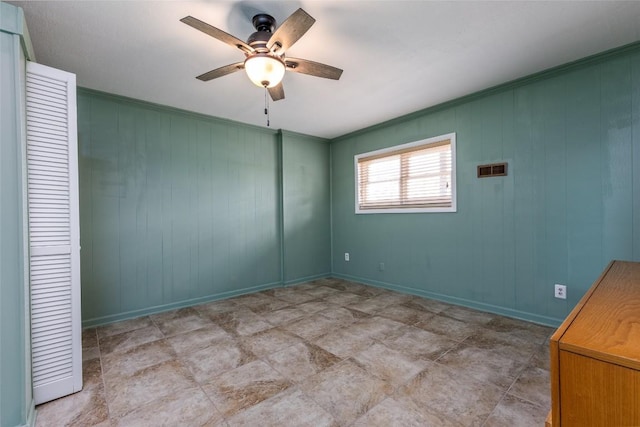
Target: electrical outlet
[[381, 266], [346, 256], [561, 291]]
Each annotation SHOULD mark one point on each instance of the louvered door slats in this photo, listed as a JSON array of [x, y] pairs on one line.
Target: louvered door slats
[[53, 233]]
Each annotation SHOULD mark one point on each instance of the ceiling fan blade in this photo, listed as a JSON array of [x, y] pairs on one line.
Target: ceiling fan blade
[[217, 33], [276, 92], [222, 71], [317, 69], [290, 31]]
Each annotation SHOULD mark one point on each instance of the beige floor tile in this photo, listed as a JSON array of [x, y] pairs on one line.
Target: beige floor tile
[[288, 408], [345, 315], [512, 411], [284, 315], [355, 288], [292, 295], [224, 355], [468, 315], [130, 339], [427, 304], [126, 394], [216, 307], [85, 408], [262, 301], [453, 395], [490, 365], [541, 357], [517, 347], [390, 365], [375, 327], [192, 341], [370, 305], [313, 326], [401, 411], [346, 390], [448, 327], [92, 374], [418, 342], [179, 321], [89, 338], [307, 286], [118, 328], [301, 361], [89, 353], [344, 298], [190, 407], [270, 341], [322, 291], [387, 298], [533, 385], [404, 314], [240, 322], [246, 386], [256, 298], [126, 363], [505, 324], [314, 306], [343, 343], [528, 341]]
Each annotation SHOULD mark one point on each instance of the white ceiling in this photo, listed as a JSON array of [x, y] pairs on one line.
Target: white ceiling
[[397, 56]]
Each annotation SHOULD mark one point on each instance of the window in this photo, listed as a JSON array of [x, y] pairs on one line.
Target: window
[[415, 177]]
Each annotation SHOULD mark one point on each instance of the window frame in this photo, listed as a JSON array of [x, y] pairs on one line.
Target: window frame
[[423, 143]]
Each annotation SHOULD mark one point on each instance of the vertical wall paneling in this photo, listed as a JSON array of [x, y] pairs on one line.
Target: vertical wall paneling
[[584, 178], [177, 208], [616, 148], [568, 206], [54, 232], [306, 222], [634, 66], [507, 264], [16, 399]]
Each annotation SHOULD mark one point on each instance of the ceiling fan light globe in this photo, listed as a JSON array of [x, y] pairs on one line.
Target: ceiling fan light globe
[[264, 70]]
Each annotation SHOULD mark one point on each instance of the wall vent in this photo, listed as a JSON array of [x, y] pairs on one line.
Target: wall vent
[[494, 169]]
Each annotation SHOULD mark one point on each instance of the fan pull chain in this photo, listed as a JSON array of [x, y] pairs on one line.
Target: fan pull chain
[[266, 104]]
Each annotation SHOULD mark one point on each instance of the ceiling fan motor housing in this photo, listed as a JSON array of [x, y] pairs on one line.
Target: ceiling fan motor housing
[[264, 25], [264, 22]]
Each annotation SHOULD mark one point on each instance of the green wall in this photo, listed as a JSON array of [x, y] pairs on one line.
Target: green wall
[[16, 402], [569, 205], [307, 225], [178, 208]]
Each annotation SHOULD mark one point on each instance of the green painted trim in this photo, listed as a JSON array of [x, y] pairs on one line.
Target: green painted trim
[[172, 110], [12, 21], [32, 414], [513, 84], [331, 241], [281, 204], [98, 321], [21, 101], [303, 135], [307, 279], [516, 314]]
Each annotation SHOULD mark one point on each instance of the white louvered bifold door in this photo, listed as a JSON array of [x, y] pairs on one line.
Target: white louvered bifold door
[[54, 232]]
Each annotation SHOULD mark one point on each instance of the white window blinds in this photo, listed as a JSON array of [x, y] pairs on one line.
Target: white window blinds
[[412, 176]]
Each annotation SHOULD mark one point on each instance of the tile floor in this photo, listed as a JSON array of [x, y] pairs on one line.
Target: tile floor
[[323, 353]]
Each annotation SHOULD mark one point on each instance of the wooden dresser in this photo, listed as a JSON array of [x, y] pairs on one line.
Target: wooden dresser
[[595, 354]]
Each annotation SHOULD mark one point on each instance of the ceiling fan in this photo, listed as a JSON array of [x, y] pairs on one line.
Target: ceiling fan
[[265, 61]]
